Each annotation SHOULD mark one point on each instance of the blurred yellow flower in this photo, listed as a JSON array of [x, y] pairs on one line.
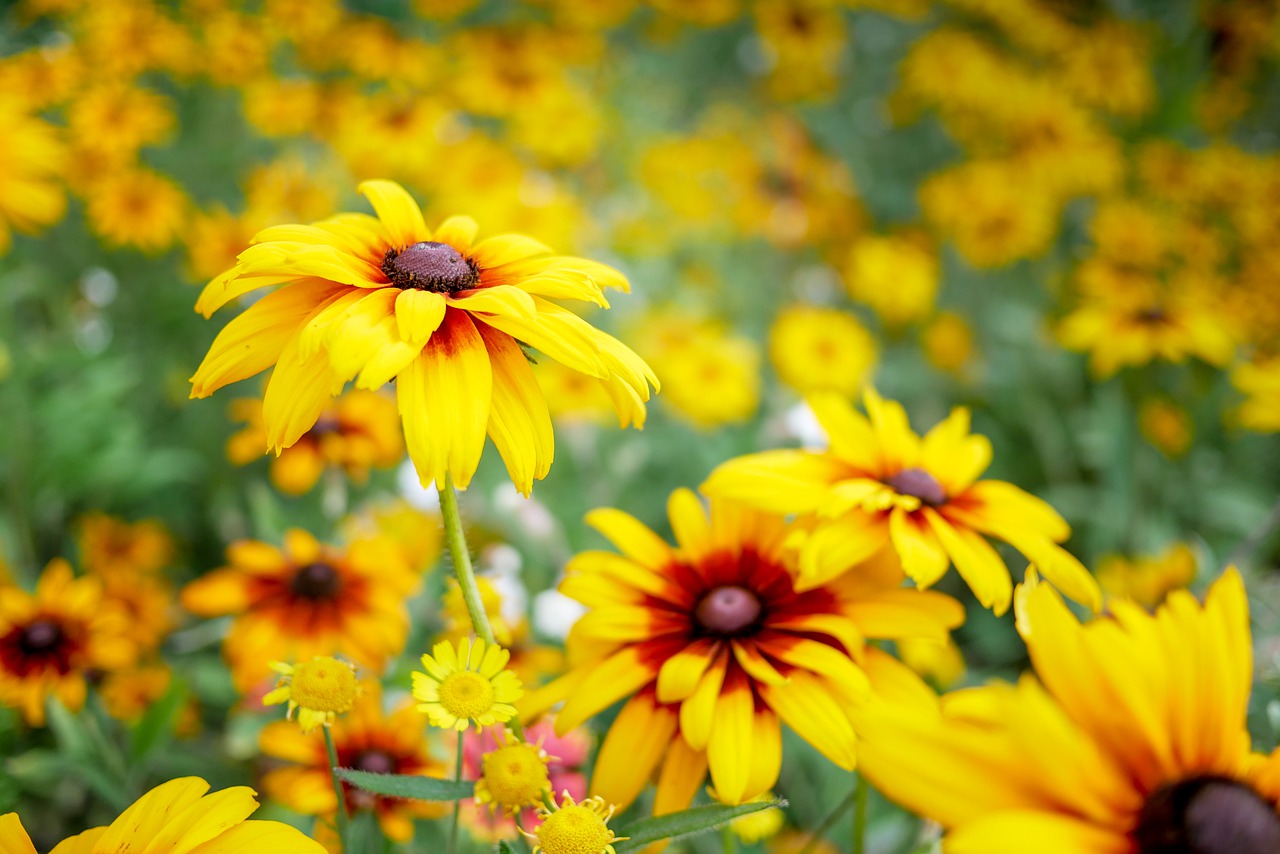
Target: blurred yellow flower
[[111, 546], [1148, 580], [1166, 425], [1259, 381], [136, 207], [306, 600], [375, 300], [32, 159], [948, 342], [881, 486], [895, 276], [356, 433], [52, 641], [992, 212], [710, 377], [418, 533], [114, 119], [821, 349]]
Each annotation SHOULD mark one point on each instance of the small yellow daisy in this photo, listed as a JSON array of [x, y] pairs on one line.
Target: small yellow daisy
[[467, 686], [513, 776], [573, 828], [319, 690]]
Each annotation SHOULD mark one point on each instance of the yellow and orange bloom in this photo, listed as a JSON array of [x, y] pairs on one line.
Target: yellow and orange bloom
[[1260, 382], [177, 817], [367, 739], [717, 646], [358, 432], [1130, 739], [306, 600], [111, 546], [52, 640], [1147, 579], [374, 299], [881, 486]]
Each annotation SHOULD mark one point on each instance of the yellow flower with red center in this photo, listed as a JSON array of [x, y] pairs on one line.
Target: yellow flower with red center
[[366, 739], [306, 600], [358, 432], [376, 299], [881, 486], [50, 641], [1132, 739], [716, 646], [177, 817]]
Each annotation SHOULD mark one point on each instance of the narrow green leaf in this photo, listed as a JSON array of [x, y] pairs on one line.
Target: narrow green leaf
[[504, 848], [679, 825], [156, 726], [409, 786]]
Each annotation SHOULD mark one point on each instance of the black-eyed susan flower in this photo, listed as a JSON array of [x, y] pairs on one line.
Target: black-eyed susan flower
[[305, 600], [112, 546], [716, 645], [136, 207], [513, 776], [358, 432], [880, 485], [177, 817], [1147, 579], [575, 828], [367, 738], [896, 275], [467, 685], [52, 640], [375, 299], [1131, 740], [318, 691]]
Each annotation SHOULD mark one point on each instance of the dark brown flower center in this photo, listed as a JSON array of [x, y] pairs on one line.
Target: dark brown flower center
[[918, 483], [430, 266], [1207, 815], [374, 761], [41, 637], [728, 610], [316, 581]]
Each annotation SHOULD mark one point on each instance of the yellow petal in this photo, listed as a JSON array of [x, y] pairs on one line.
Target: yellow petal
[[730, 748], [807, 706], [418, 314], [519, 421], [399, 213], [637, 741]]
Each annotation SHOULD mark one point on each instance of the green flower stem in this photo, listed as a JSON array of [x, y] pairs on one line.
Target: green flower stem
[[341, 813], [860, 815], [457, 774], [727, 840], [832, 817], [456, 539]]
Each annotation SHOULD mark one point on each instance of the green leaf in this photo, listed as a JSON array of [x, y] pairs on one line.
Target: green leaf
[[504, 848], [410, 786], [156, 726], [691, 822]]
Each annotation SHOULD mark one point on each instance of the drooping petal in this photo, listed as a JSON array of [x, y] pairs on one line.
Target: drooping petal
[[297, 392], [519, 421], [923, 557], [636, 743], [731, 747], [681, 777], [807, 706], [418, 314]]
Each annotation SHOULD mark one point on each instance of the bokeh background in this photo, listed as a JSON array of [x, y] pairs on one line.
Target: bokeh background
[[1063, 215]]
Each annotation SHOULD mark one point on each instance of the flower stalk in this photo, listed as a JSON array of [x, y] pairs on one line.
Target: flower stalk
[[340, 813]]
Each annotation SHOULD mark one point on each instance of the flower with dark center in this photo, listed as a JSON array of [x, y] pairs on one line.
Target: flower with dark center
[[920, 484], [41, 637], [1207, 815], [1131, 738], [727, 610], [374, 761], [714, 643], [430, 266], [316, 581]]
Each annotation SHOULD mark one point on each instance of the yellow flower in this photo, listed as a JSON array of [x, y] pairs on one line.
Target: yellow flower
[[366, 739], [717, 645], [115, 119], [136, 207], [880, 485], [356, 433], [32, 159], [111, 546], [573, 828], [177, 817], [948, 342], [457, 619], [467, 686], [214, 238], [895, 276], [991, 211], [378, 299], [306, 600], [1148, 580], [51, 641], [821, 349], [1260, 382], [513, 776], [1166, 425], [318, 690], [418, 533], [1131, 740]]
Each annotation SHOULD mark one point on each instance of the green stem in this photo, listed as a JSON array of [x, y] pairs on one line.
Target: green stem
[[860, 815], [457, 805], [456, 539], [341, 813], [727, 840], [831, 819]]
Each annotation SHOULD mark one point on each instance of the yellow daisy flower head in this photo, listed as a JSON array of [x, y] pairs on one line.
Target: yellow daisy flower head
[[318, 690], [34, 158], [881, 487], [1131, 738], [513, 776], [814, 349], [372, 299], [177, 817], [467, 685], [575, 828]]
